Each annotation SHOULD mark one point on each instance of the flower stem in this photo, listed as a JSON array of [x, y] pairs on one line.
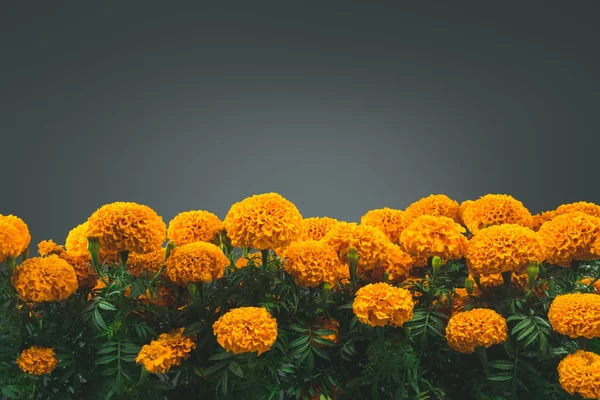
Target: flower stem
[[123, 256], [265, 258], [482, 356]]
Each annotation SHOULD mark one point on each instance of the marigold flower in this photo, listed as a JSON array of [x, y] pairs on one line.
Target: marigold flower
[[152, 262], [263, 221], [127, 226], [164, 296], [194, 226], [316, 228], [10, 241], [478, 327], [369, 242], [243, 262], [397, 263], [503, 248], [582, 206], [380, 304], [312, 262], [436, 205], [196, 262], [389, 221], [37, 360], [48, 247], [23, 238], [429, 236], [461, 299], [570, 237], [44, 279], [591, 281], [246, 330], [168, 350], [77, 242], [462, 208], [82, 264], [580, 373], [576, 315], [496, 209]]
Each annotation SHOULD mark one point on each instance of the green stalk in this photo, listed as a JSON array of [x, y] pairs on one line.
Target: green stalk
[[265, 258]]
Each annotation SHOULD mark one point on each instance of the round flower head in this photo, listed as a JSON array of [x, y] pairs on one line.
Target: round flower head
[[168, 350], [263, 221], [576, 315], [436, 205], [194, 226], [151, 262], [44, 279], [389, 221], [49, 247], [10, 241], [496, 209], [462, 208], [429, 236], [580, 373], [397, 263], [312, 262], [570, 237], [246, 330], [478, 327], [369, 242], [243, 262], [196, 262], [82, 264], [77, 242], [380, 304], [24, 237], [316, 228], [126, 226], [582, 206], [37, 360], [503, 248]]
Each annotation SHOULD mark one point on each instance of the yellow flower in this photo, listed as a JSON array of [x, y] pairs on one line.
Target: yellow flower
[[380, 304], [496, 209], [194, 226], [570, 237], [152, 262], [397, 263], [369, 242], [126, 226], [243, 262], [312, 262], [503, 248], [44, 279], [429, 236], [436, 205], [82, 264], [37, 360], [478, 327], [580, 373], [196, 262], [246, 330], [576, 315], [48, 247], [77, 242], [316, 228], [389, 221], [263, 221], [10, 241], [23, 238], [168, 350]]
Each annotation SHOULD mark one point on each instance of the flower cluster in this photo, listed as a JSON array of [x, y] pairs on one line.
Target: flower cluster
[[495, 209], [380, 304], [37, 360], [44, 279], [479, 327], [580, 373], [194, 226], [263, 221], [436, 205], [389, 221], [196, 262], [246, 330], [312, 263], [316, 228], [576, 315], [168, 350]]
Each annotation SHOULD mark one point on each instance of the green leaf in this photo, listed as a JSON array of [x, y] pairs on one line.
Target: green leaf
[[526, 332], [106, 306], [236, 369], [521, 325], [222, 356], [502, 377], [10, 391], [502, 365], [105, 359], [98, 321]]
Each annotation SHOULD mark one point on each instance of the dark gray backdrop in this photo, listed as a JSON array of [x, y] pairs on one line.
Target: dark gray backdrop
[[340, 107]]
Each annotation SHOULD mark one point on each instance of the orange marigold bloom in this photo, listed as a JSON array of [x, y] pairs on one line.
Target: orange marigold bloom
[[246, 330], [478, 327], [389, 221], [462, 208], [23, 238], [316, 228], [127, 226], [576, 315], [430, 236], [580, 373], [77, 242], [369, 242], [44, 279], [152, 262], [196, 262], [37, 360], [243, 262], [10, 241], [82, 264], [380, 304], [397, 263], [503, 248], [194, 226], [436, 205], [496, 209], [263, 221], [570, 237], [313, 262], [168, 350], [164, 297], [48, 247]]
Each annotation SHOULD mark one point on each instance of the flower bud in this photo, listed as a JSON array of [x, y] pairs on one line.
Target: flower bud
[[469, 285], [170, 247], [352, 257], [533, 269], [436, 263], [94, 249]]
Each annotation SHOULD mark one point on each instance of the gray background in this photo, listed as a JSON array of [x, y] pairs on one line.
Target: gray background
[[338, 106]]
